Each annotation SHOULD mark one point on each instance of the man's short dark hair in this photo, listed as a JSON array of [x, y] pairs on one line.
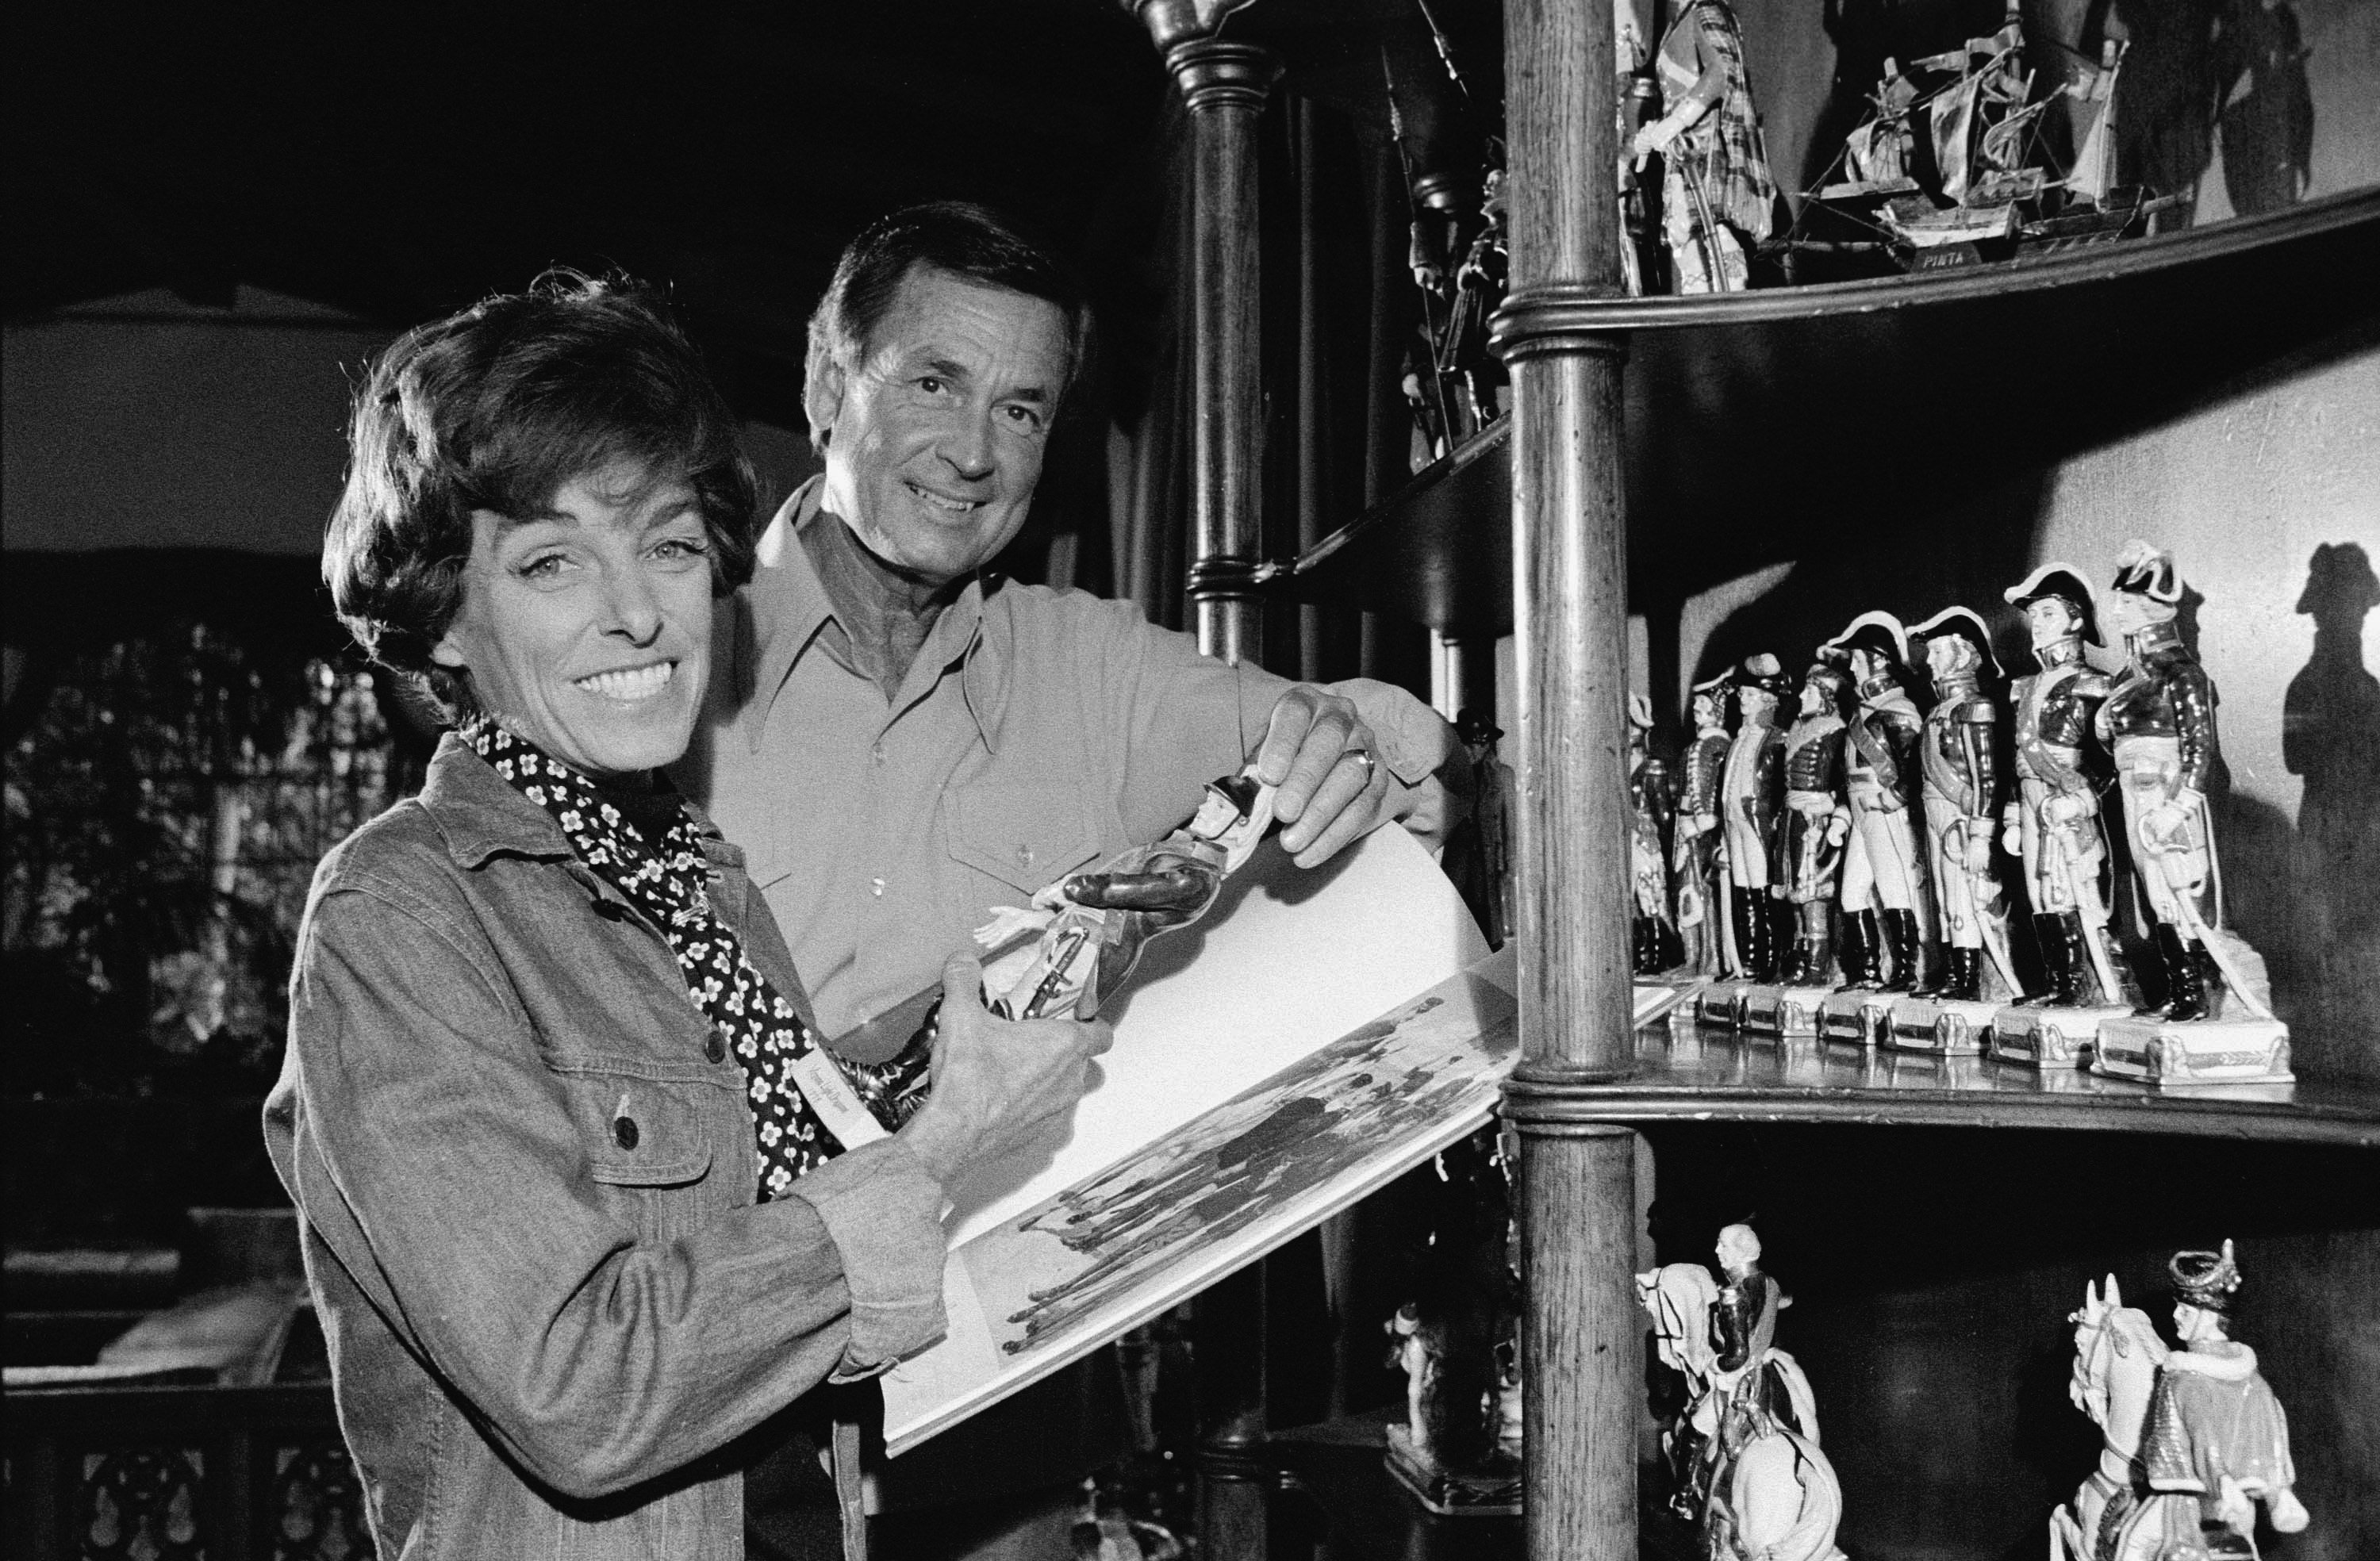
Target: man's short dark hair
[[968, 241], [497, 408]]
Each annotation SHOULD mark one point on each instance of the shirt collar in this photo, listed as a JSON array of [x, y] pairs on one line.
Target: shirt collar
[[789, 605], [480, 816]]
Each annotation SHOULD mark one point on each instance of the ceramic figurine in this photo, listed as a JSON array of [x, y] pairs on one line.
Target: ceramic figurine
[[1744, 1452], [1092, 926], [2216, 1023], [2052, 824], [1717, 198], [1695, 835], [1478, 854], [1884, 867], [1655, 937], [1432, 1451], [1808, 866], [2117, 1358], [1817, 820], [1960, 778], [2214, 1432], [1751, 795]]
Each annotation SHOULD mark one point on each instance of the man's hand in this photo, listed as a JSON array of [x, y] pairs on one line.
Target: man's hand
[[1322, 755], [997, 1084]]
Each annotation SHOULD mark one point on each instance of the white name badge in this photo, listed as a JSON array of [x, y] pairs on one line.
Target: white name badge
[[836, 1103]]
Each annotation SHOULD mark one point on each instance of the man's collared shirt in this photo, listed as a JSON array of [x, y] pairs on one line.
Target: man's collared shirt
[[1038, 731]]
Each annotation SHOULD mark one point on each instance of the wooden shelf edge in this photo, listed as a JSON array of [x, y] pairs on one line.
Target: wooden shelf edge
[[2001, 279], [2349, 1122]]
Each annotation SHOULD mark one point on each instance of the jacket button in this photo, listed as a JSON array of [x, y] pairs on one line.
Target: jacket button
[[714, 1049], [623, 1131]]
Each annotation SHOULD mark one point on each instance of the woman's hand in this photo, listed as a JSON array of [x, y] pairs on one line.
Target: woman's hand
[[997, 1084]]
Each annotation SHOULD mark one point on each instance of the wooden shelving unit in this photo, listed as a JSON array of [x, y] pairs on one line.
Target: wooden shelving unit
[[1755, 417]]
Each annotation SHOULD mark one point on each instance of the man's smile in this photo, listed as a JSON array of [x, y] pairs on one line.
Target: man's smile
[[944, 501]]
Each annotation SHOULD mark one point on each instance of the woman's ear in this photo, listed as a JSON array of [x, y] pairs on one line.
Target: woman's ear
[[446, 653]]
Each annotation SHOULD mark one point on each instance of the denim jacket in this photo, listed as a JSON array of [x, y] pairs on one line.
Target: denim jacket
[[526, 1170]]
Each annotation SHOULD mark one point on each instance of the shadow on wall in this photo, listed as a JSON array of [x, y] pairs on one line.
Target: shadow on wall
[[2330, 738]]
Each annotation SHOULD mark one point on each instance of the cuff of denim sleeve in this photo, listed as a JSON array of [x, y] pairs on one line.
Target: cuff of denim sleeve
[[883, 1214]]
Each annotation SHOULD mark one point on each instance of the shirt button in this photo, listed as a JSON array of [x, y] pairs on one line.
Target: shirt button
[[714, 1049], [1025, 857], [876, 753], [623, 1131], [876, 888]]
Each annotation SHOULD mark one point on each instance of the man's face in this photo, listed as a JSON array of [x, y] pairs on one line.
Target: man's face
[[935, 436]]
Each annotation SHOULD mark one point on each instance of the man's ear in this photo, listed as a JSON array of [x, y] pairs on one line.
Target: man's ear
[[823, 384]]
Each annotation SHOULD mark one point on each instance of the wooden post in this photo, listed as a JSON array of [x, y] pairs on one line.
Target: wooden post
[[1224, 83], [1580, 1339]]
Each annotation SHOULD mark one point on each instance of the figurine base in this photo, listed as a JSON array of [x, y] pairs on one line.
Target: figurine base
[[2171, 1055], [1855, 1018], [1945, 1026], [1493, 1491], [2050, 1037], [1789, 1012], [1720, 1004]]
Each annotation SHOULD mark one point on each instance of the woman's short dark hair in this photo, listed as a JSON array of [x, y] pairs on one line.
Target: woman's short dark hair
[[958, 236], [497, 410]]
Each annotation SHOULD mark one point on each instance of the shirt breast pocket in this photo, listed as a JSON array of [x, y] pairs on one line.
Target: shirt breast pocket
[[1027, 836], [639, 1131]]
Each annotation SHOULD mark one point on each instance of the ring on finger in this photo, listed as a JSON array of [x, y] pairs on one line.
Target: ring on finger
[[1364, 757]]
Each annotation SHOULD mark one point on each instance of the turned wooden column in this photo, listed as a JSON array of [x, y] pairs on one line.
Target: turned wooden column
[[1580, 1336], [1224, 83]]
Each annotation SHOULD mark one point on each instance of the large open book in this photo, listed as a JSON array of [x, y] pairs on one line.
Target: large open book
[[1316, 1036]]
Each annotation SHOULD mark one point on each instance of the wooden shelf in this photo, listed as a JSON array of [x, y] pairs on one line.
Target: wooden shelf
[[1759, 421], [1339, 1465], [1715, 1076]]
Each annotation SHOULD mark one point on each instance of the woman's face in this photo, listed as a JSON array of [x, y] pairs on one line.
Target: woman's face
[[587, 628]]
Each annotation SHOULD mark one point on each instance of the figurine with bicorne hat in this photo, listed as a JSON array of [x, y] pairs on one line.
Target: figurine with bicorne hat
[[1695, 833], [1810, 838], [2215, 1431], [1655, 936], [1751, 794], [1959, 780], [2052, 824], [2214, 1023]]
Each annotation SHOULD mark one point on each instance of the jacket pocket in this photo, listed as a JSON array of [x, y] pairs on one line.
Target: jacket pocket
[[1027, 836], [638, 1133]]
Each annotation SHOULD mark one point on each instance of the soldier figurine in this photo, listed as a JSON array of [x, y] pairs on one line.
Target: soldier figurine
[[2214, 1429], [2052, 823], [1655, 937], [1752, 792], [1810, 843], [1478, 854], [1958, 772], [2158, 722], [1695, 836], [1884, 868]]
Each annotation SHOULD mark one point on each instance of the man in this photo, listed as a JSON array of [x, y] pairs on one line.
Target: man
[[902, 740]]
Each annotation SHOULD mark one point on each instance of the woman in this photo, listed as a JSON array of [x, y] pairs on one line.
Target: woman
[[584, 1202]]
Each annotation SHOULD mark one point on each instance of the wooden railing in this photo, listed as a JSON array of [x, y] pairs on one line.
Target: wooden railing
[[196, 1473]]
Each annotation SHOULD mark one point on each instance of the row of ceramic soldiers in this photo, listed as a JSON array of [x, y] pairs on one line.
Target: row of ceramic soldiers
[[1880, 832]]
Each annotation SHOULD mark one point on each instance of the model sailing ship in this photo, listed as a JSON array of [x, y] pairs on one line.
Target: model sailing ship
[[1952, 165]]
